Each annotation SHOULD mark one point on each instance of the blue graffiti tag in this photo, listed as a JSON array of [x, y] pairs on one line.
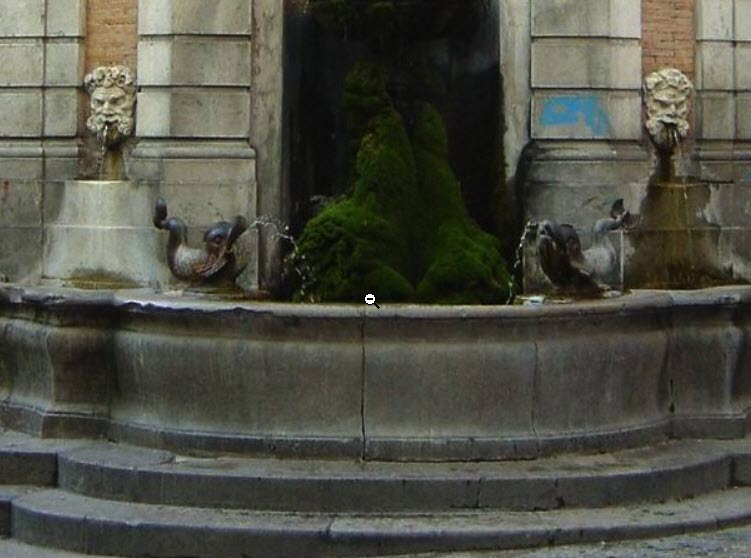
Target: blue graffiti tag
[[575, 110], [748, 175]]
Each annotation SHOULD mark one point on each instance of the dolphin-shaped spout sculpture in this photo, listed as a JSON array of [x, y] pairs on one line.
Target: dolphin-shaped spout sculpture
[[225, 253], [566, 265]]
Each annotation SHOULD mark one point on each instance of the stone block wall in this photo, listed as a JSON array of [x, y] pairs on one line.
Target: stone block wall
[[41, 68], [194, 108], [586, 108], [723, 83], [722, 153], [203, 70]]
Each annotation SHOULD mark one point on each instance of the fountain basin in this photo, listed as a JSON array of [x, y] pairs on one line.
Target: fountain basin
[[400, 383]]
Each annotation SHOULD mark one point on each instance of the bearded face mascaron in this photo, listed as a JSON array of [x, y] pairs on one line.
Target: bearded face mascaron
[[112, 90], [666, 96]]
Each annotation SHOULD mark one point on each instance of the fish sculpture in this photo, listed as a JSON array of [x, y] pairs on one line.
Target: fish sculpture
[[225, 253], [565, 263]]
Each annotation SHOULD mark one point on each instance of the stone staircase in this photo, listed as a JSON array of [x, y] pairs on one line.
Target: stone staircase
[[93, 497]]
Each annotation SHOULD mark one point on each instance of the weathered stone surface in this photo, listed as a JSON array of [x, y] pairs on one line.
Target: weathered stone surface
[[103, 255], [65, 369], [59, 519], [21, 252], [21, 168], [194, 61], [221, 62], [715, 20], [209, 114], [743, 20], [194, 113], [64, 63], [715, 69], [21, 61], [586, 63], [621, 397], [66, 18], [584, 173], [407, 384], [201, 204], [238, 172], [221, 17], [729, 205], [60, 113], [626, 19], [20, 202], [155, 61], [515, 68], [154, 110], [435, 391], [99, 203], [20, 113], [743, 110], [24, 18], [704, 362], [614, 18], [716, 116], [305, 389], [102, 231], [743, 65], [586, 115], [665, 472]]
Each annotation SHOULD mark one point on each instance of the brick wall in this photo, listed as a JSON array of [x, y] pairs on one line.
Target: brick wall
[[668, 35], [112, 32]]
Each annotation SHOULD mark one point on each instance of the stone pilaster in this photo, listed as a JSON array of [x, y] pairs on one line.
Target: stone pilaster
[[42, 54], [194, 107], [723, 83], [722, 154], [586, 109]]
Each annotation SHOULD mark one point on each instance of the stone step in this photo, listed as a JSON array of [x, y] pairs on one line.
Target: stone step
[[668, 471], [7, 495], [10, 548], [77, 523], [27, 460]]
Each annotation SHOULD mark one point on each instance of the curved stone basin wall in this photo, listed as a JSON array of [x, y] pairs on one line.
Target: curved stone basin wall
[[403, 382]]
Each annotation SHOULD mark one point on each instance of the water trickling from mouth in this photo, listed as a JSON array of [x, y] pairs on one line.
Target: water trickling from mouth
[[296, 261], [103, 150], [516, 268]]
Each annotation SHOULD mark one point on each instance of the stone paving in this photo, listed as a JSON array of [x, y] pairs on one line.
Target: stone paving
[[730, 543]]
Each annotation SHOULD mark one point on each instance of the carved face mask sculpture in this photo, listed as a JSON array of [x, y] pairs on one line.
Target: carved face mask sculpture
[[666, 95], [112, 90]]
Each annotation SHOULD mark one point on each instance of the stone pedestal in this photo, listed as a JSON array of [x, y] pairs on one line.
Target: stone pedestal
[[100, 234]]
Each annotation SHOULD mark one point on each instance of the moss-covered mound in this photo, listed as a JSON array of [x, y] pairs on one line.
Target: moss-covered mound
[[462, 264], [402, 232]]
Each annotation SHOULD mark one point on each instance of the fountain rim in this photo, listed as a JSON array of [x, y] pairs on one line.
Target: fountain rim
[[145, 300]]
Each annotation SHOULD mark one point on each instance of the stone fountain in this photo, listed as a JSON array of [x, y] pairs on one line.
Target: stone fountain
[[99, 231], [674, 246]]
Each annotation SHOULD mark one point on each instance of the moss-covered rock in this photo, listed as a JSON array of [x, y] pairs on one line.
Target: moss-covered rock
[[462, 263], [402, 232], [363, 240]]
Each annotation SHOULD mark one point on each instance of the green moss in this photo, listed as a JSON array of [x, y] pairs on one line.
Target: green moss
[[403, 223], [363, 241], [462, 263]]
